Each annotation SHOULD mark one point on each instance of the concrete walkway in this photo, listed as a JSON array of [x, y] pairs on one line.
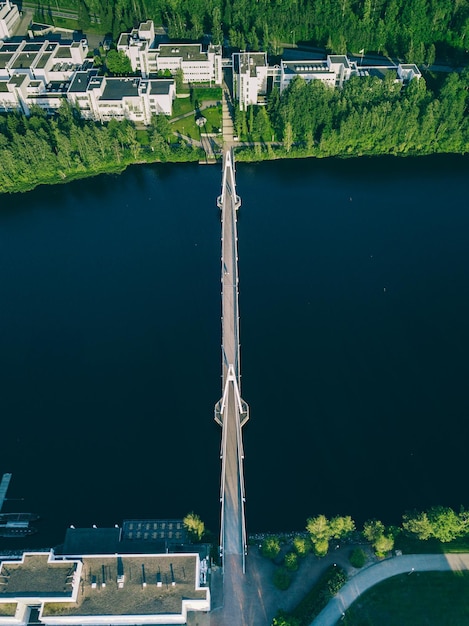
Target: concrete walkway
[[378, 572]]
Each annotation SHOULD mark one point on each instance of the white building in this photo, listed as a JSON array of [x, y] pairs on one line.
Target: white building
[[253, 78], [105, 589], [407, 72], [45, 60], [333, 71], [102, 98], [250, 71], [9, 18], [196, 64]]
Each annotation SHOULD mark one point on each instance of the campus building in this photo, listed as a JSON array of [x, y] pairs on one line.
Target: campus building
[[253, 78], [197, 65], [9, 18], [102, 98], [107, 589], [250, 72]]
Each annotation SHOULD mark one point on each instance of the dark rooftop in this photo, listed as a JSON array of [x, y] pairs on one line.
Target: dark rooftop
[[160, 86], [23, 60], [80, 81], [90, 541], [43, 60], [118, 88], [63, 53]]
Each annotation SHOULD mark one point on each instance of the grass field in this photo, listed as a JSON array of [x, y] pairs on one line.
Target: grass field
[[417, 599], [181, 106], [187, 126]]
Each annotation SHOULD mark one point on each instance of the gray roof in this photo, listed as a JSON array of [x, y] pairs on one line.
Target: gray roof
[[17, 79], [188, 52], [160, 86], [118, 88], [80, 82]]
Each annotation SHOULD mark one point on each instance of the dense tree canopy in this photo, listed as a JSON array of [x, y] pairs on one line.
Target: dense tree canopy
[[368, 116], [410, 28], [39, 149]]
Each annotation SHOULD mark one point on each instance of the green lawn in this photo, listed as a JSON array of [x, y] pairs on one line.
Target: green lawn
[[187, 126], [417, 599], [206, 93], [182, 106], [412, 545], [213, 117]]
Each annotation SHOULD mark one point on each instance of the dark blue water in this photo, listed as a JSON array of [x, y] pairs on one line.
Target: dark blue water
[[354, 304]]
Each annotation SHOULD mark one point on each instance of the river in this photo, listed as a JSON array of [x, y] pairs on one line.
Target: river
[[354, 302]]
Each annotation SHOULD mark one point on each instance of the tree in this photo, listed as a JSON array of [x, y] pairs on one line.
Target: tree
[[301, 545], [179, 79], [321, 547], [418, 524], [194, 526], [288, 136], [318, 528], [446, 524], [341, 527], [270, 547], [383, 544], [373, 529], [118, 62]]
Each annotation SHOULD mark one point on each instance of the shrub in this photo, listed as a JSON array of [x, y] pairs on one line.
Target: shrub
[[291, 561], [317, 598], [283, 619], [282, 578], [357, 558]]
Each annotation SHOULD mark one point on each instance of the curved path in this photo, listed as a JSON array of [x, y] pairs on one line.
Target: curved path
[[374, 574]]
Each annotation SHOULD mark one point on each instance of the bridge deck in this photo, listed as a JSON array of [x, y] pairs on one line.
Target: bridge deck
[[231, 412]]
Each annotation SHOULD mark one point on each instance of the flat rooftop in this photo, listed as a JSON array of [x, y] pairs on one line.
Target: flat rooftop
[[160, 87], [133, 598], [43, 60], [118, 88], [23, 60], [306, 67], [5, 58], [188, 52], [63, 52], [35, 577]]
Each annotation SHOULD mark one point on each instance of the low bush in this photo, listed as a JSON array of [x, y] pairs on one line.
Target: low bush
[[357, 558], [282, 579], [291, 561]]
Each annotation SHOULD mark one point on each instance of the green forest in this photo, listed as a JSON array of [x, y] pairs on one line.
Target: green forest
[[412, 29], [368, 116], [43, 150]]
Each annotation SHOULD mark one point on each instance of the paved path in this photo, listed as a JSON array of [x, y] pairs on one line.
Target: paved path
[[374, 574], [227, 117]]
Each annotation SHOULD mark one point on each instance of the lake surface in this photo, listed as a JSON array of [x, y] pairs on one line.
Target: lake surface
[[354, 303]]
